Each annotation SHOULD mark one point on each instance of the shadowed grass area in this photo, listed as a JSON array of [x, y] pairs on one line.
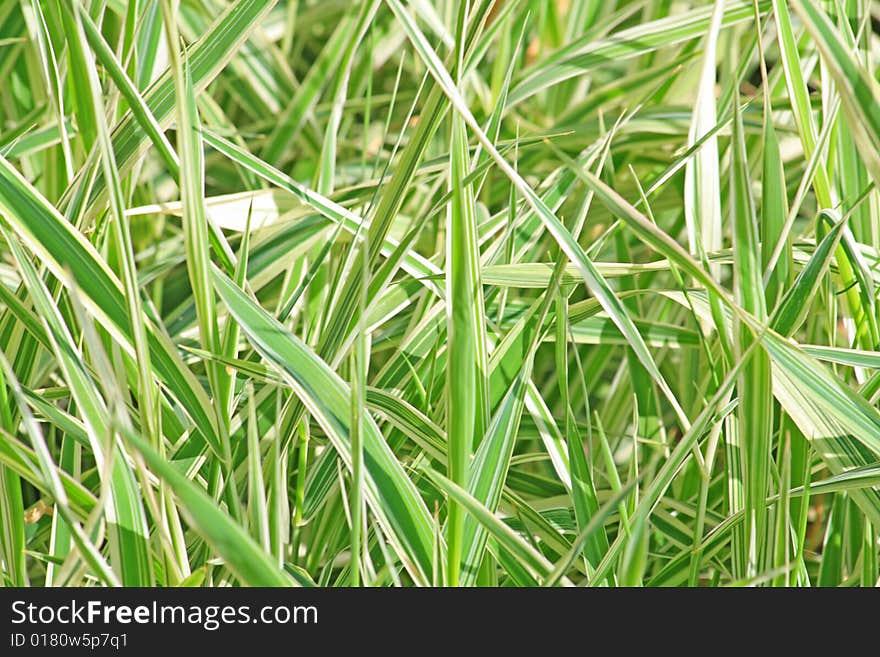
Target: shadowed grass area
[[439, 292]]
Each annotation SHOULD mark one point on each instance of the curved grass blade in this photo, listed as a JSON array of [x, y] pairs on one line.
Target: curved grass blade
[[391, 495]]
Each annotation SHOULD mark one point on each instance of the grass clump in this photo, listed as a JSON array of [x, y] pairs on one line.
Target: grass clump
[[495, 293]]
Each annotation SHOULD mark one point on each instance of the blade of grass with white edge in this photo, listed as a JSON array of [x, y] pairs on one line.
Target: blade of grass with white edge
[[256, 493], [799, 96], [801, 106], [12, 536], [60, 540], [488, 470], [467, 390], [121, 234], [858, 89], [794, 307], [754, 387], [206, 58], [49, 63], [138, 107], [702, 191], [774, 198], [329, 146], [714, 411], [76, 64], [195, 235]]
